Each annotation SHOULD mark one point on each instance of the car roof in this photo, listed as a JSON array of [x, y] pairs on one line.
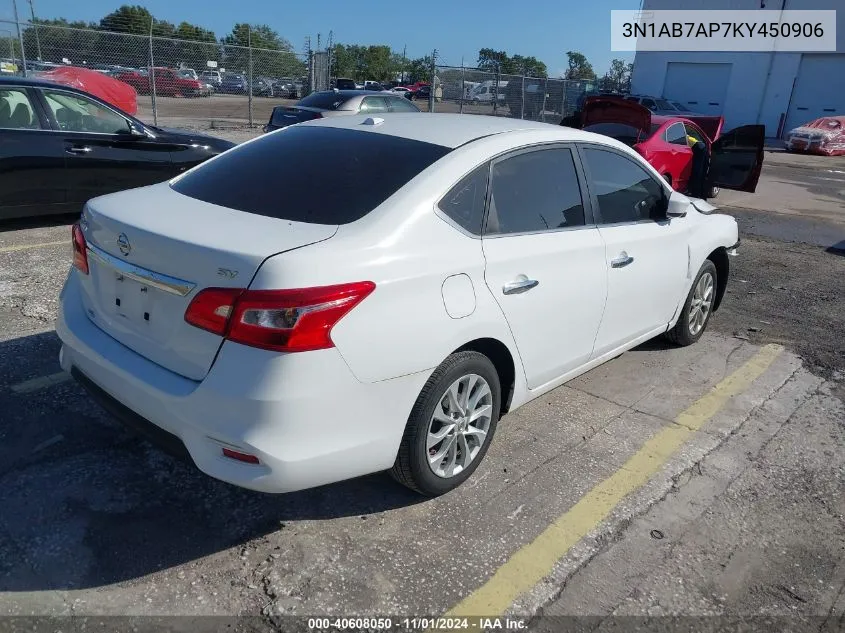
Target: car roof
[[451, 130]]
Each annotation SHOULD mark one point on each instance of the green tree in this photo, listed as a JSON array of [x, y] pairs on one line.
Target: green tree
[[418, 70], [619, 75], [272, 55], [491, 60], [579, 67]]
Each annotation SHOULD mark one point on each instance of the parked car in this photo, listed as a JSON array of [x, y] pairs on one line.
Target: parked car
[[213, 77], [374, 86], [285, 89], [344, 84], [423, 92], [188, 73], [658, 105], [227, 285], [669, 144], [825, 136], [262, 87], [60, 146], [337, 102], [401, 89], [234, 83], [167, 83]]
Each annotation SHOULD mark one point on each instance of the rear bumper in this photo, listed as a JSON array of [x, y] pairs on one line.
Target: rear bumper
[[305, 416]]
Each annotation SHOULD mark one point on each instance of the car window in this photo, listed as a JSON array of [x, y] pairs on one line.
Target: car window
[[75, 113], [535, 191], [373, 104], [401, 105], [692, 132], [329, 100], [465, 201], [16, 110], [329, 175], [625, 191], [676, 134]]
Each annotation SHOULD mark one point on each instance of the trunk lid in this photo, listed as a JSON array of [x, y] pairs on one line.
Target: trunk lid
[[152, 250], [615, 110]]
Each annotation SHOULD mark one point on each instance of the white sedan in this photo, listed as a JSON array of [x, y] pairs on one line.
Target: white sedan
[[419, 279]]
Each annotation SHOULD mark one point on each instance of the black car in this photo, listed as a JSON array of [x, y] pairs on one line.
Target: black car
[[423, 92], [60, 146], [345, 84]]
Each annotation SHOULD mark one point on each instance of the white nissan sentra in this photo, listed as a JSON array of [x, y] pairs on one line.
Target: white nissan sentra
[[420, 277]]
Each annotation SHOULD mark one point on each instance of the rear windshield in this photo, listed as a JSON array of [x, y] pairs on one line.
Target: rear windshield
[[328, 175], [628, 134], [323, 100], [283, 115]]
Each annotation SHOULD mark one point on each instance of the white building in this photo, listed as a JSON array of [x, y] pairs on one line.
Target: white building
[[780, 90]]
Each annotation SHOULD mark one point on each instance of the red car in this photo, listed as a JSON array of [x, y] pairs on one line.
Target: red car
[[691, 153], [167, 83], [825, 136]]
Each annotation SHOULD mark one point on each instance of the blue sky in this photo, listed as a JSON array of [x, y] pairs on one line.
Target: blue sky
[[457, 28]]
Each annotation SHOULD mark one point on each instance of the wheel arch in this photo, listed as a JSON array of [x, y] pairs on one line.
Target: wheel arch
[[502, 360], [720, 260]]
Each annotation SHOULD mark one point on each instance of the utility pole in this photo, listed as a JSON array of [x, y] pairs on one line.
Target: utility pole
[[404, 64], [433, 78], [20, 36], [153, 76], [35, 26], [249, 78]]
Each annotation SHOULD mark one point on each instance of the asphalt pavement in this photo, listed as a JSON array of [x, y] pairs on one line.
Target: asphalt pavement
[[703, 482]]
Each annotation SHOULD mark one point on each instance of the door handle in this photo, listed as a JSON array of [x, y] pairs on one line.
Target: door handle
[[520, 284], [78, 149], [621, 261]]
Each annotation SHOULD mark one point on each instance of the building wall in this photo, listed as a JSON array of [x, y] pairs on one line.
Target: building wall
[[760, 83]]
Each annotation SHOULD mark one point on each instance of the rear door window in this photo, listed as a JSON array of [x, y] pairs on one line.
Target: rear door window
[[329, 175]]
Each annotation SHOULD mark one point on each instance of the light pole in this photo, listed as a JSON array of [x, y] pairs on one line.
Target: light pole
[[35, 26]]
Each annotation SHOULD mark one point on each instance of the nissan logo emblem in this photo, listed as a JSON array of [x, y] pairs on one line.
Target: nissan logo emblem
[[123, 244]]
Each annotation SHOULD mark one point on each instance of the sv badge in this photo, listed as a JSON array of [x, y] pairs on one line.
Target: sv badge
[[227, 273]]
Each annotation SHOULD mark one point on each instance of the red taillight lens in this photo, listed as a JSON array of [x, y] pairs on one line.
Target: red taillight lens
[[80, 249], [210, 309], [295, 320]]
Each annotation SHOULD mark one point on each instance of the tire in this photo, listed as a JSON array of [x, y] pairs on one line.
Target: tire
[[713, 191], [413, 467], [688, 330]]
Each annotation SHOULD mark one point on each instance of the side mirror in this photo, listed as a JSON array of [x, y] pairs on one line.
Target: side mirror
[[676, 206]]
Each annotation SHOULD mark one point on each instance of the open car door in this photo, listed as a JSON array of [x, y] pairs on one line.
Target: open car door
[[736, 158]]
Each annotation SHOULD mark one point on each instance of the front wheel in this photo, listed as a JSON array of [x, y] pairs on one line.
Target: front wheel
[[713, 191], [695, 315], [451, 425]]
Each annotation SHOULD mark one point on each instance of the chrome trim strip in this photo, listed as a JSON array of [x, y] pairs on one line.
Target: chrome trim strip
[[172, 285]]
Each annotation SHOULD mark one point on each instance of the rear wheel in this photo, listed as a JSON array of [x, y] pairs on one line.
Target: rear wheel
[[451, 425], [713, 191], [695, 314]]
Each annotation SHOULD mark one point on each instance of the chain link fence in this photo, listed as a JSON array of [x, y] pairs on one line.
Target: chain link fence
[[179, 82], [475, 91]]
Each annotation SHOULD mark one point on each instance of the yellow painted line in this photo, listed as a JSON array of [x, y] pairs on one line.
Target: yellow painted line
[[28, 386], [28, 247], [533, 562]]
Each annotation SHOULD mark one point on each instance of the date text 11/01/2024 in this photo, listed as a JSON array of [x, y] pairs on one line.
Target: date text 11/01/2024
[[417, 624]]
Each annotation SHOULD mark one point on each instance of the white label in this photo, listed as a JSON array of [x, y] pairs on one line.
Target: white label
[[741, 31]]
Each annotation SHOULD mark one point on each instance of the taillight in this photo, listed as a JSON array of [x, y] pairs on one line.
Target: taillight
[[80, 249], [296, 320]]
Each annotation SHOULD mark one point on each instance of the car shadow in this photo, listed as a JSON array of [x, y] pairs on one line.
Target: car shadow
[[86, 503], [836, 249]]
